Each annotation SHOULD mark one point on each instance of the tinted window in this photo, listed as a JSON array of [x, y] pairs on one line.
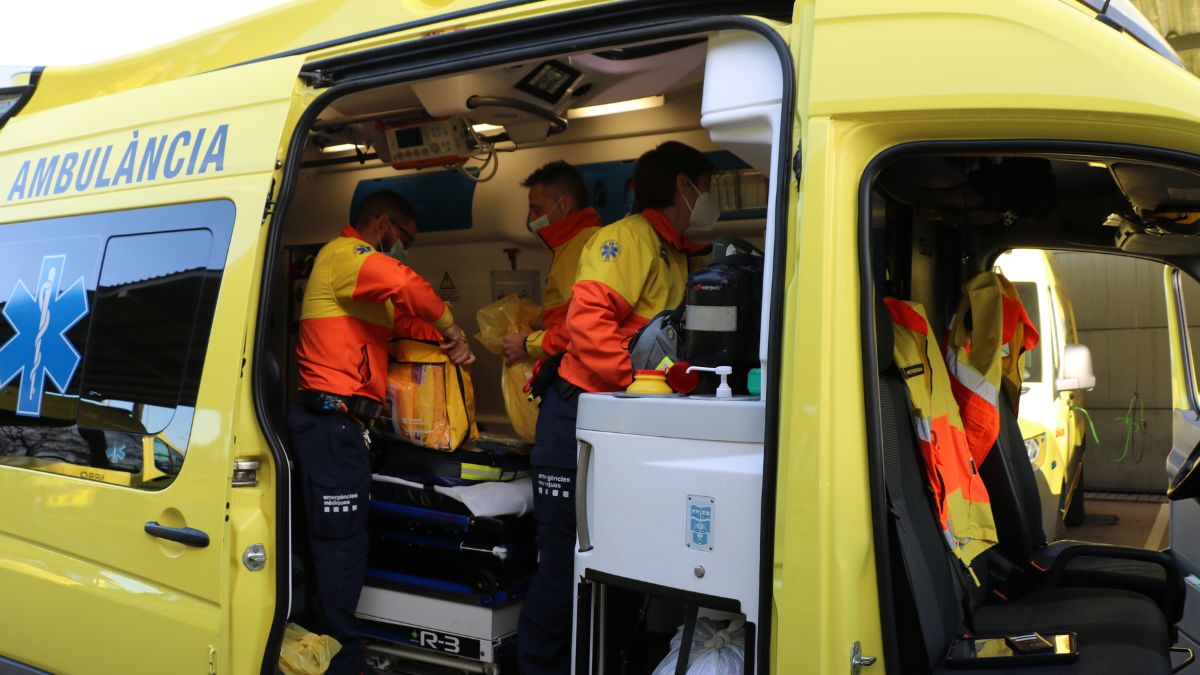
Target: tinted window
[[1028, 293], [103, 338], [144, 338]]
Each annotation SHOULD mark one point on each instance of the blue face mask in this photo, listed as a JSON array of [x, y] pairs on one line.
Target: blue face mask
[[398, 251]]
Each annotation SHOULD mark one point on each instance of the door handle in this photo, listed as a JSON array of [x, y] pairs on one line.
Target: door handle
[[187, 536], [583, 531]]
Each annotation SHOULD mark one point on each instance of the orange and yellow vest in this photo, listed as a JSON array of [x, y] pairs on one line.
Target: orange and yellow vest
[[964, 510], [628, 272], [566, 239], [985, 349], [350, 306]]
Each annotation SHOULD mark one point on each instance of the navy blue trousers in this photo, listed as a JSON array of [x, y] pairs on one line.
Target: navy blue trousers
[[329, 511], [544, 630]]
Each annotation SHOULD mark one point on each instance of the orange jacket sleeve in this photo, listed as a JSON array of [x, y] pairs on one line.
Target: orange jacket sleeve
[[594, 330], [553, 339], [382, 278]]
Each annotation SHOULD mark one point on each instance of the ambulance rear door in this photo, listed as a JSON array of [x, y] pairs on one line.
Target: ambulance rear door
[[129, 237]]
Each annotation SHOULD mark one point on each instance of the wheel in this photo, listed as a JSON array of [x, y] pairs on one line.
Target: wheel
[[1073, 516]]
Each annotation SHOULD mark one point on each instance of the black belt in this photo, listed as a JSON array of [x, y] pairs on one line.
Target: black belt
[[569, 392], [364, 410]]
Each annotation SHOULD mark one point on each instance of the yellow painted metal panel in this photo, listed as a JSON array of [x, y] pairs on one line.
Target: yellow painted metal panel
[[293, 26], [80, 569]]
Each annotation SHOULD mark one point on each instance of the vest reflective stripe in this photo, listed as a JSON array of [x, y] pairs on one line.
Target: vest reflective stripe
[[964, 510], [986, 356]]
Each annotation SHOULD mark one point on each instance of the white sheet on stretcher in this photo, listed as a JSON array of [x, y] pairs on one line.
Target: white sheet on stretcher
[[485, 500]]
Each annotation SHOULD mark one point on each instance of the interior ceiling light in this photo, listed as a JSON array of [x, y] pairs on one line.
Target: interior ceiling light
[[1098, 165], [486, 128], [344, 147], [618, 107]]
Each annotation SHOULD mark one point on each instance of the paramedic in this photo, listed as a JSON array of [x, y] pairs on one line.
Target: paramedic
[[560, 217], [345, 322], [628, 272]]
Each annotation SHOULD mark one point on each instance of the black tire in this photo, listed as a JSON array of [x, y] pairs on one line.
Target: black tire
[[1073, 516]]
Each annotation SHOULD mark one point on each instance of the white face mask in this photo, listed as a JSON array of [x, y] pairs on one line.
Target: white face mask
[[704, 211], [543, 220]]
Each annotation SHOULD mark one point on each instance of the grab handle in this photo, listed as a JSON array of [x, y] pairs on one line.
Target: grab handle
[[581, 481]]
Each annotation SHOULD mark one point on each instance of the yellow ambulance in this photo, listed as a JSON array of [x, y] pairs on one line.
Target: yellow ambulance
[[158, 211], [1050, 425]]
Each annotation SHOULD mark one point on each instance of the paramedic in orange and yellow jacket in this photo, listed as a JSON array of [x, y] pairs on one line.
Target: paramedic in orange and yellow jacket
[[628, 272], [353, 294], [560, 216]]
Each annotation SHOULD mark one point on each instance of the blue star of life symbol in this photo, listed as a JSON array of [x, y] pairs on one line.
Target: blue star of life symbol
[[610, 249], [40, 348], [117, 452]]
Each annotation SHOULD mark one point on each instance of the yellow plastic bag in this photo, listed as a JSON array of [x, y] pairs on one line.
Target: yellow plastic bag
[[432, 400], [306, 653], [511, 314], [522, 413]]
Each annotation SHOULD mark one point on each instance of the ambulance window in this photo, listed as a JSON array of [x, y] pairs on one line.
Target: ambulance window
[[166, 459], [1191, 319], [1028, 292], [103, 334], [141, 354]]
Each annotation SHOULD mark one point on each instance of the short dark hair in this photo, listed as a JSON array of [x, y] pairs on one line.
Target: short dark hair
[[384, 201], [655, 171], [563, 176]]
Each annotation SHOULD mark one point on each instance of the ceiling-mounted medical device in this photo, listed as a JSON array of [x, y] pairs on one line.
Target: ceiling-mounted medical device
[[442, 142], [526, 99]]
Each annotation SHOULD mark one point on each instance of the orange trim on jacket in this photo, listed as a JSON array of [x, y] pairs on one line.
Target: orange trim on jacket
[[566, 239], [351, 302], [985, 350], [632, 270], [964, 508]]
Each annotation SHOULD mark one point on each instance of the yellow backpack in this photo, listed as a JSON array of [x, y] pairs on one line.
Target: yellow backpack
[[432, 400]]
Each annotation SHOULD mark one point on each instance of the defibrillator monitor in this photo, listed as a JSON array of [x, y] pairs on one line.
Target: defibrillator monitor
[[1011, 651], [436, 143]]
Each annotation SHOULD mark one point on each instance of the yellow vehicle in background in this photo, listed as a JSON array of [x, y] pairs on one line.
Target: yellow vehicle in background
[[1050, 424]]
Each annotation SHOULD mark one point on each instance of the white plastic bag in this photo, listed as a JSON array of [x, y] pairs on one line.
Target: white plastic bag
[[718, 648]]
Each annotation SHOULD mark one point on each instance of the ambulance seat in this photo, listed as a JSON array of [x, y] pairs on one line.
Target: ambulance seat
[[1118, 631], [1025, 560]]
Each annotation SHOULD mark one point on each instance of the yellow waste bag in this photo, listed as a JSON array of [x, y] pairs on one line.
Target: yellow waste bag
[[511, 314], [522, 412], [306, 653], [432, 400]]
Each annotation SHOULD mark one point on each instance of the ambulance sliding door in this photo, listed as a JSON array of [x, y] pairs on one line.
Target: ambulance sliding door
[[128, 268]]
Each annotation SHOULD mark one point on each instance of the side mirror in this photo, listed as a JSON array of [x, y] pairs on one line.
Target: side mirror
[[1076, 373]]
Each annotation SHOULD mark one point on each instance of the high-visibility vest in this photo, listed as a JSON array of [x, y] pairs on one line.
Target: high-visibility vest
[[964, 510], [985, 350]]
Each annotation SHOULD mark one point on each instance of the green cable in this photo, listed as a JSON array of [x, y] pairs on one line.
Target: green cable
[[1131, 425], [1088, 417]]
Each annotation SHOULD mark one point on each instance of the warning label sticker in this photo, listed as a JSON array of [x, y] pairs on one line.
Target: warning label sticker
[[446, 290]]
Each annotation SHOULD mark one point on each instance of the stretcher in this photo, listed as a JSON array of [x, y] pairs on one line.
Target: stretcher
[[452, 553]]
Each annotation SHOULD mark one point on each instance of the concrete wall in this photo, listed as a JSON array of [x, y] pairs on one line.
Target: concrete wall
[[1121, 315]]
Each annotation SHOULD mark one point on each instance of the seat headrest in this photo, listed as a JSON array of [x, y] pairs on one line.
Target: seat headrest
[[884, 337]]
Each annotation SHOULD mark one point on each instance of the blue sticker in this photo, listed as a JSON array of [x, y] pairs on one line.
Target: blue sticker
[[701, 525], [610, 250], [701, 512], [40, 348], [116, 453]]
